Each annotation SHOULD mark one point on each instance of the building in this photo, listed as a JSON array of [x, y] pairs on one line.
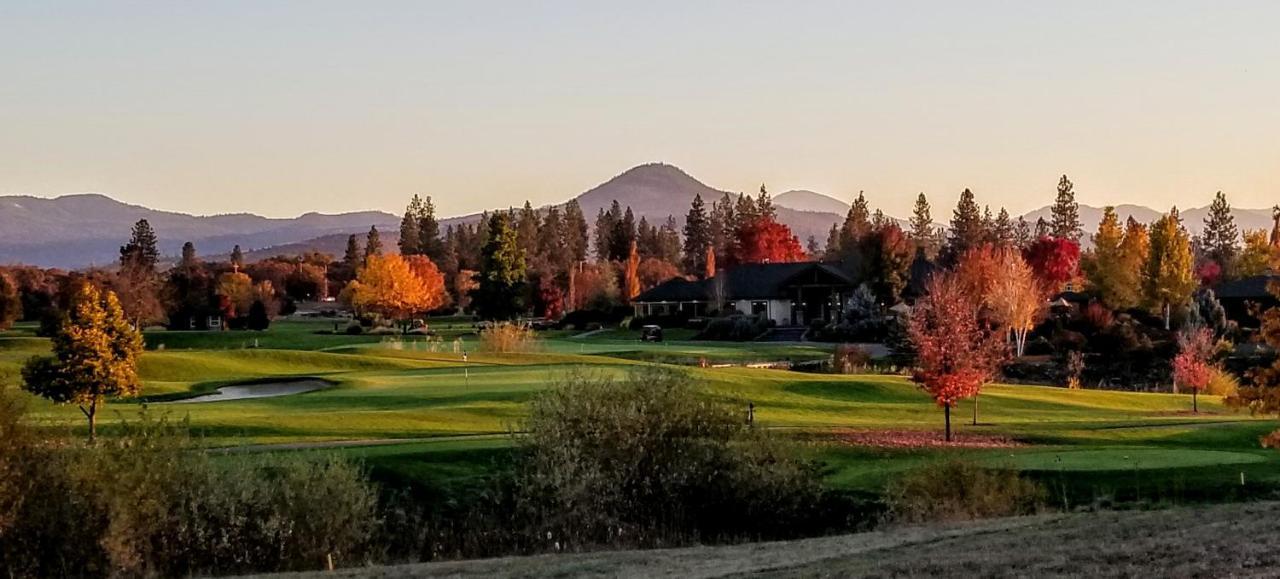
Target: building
[[790, 294], [1239, 296]]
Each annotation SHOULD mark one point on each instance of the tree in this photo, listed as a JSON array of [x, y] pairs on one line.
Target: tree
[[1262, 396], [1221, 239], [710, 263], [237, 258], [1192, 366], [527, 225], [653, 271], [967, 230], [429, 242], [388, 285], [1169, 279], [764, 204], [237, 289], [1134, 251], [669, 241], [764, 240], [886, 267], [1055, 261], [500, 283], [921, 223], [140, 252], [1002, 230], [372, 243], [95, 356], [1022, 233], [353, 256], [1066, 212], [956, 352], [631, 276], [1104, 266], [10, 301], [1015, 297], [857, 224], [1257, 257], [575, 231], [624, 232], [697, 236], [259, 319], [410, 242]]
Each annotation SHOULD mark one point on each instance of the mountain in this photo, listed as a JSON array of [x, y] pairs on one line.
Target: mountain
[[80, 230], [803, 200], [1192, 219]]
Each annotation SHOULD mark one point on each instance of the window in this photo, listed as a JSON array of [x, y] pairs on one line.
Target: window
[[760, 308]]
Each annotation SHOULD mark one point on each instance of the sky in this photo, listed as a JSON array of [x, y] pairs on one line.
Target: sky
[[285, 107]]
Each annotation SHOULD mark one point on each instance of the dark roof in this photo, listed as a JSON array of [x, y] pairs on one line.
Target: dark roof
[[751, 281], [1251, 288]]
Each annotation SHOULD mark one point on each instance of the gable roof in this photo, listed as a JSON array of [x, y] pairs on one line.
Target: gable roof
[[750, 281], [1248, 288]]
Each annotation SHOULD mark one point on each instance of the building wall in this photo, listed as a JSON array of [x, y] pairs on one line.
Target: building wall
[[777, 310]]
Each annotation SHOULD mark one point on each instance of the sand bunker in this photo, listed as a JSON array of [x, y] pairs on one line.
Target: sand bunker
[[264, 389]]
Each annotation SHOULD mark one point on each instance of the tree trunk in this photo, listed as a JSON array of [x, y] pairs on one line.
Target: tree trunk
[[975, 409], [946, 412], [1195, 409], [1166, 315], [91, 413]]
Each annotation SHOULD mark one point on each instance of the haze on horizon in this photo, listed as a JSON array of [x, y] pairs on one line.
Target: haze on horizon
[[284, 107]]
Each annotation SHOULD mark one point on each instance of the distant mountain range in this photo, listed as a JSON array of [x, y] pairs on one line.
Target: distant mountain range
[[81, 230]]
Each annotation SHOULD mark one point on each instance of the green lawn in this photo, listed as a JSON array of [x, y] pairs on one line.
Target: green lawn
[[456, 414]]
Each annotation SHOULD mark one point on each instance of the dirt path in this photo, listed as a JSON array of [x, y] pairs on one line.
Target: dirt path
[[263, 389]]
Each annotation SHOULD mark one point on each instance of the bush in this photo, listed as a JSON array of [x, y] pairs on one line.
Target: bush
[[648, 460], [506, 338], [1222, 383], [850, 359], [149, 503], [737, 328], [954, 490]]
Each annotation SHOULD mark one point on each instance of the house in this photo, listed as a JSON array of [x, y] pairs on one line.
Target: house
[[790, 294], [1237, 296]]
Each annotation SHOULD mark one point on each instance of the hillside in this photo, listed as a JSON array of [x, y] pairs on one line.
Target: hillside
[[802, 200], [80, 230]]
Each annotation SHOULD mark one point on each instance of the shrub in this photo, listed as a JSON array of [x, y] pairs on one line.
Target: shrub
[[1222, 383], [954, 490], [849, 359], [506, 338], [648, 460], [737, 328], [149, 503]]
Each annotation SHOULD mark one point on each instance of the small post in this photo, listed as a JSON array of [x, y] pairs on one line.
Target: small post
[[751, 414], [328, 557], [1241, 478]]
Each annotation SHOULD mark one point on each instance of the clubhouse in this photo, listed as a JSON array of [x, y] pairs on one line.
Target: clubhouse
[[790, 294]]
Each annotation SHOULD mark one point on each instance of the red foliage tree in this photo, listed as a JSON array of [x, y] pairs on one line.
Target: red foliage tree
[[764, 240], [653, 271], [551, 298], [1192, 367], [1055, 261], [956, 351], [1209, 273]]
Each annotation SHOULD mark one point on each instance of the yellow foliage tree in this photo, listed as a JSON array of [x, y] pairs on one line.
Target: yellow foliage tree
[[1168, 280], [1258, 256], [387, 285], [1015, 297]]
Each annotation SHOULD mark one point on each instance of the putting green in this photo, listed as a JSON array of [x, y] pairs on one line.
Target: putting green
[[1119, 459]]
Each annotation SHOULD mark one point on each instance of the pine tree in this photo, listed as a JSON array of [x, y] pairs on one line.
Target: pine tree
[[1168, 279], [857, 223], [966, 231], [527, 224], [1022, 233], [551, 246], [1042, 228], [722, 222], [669, 241], [1221, 239], [697, 237], [372, 243], [605, 224], [832, 250], [624, 232], [764, 204], [429, 240], [1066, 212], [410, 241], [576, 231], [921, 222], [498, 295], [141, 252], [744, 210], [237, 257], [1002, 230], [351, 258]]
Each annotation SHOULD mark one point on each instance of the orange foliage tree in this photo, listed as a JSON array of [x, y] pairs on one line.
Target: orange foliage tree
[[631, 275], [956, 351], [653, 271], [1015, 298], [387, 285], [764, 240]]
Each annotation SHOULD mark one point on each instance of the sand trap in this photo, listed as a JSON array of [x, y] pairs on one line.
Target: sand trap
[[260, 390]]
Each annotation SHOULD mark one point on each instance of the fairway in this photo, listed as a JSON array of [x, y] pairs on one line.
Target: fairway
[[413, 409]]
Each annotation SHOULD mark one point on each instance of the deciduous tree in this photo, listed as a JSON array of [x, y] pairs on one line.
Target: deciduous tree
[[1168, 279], [1192, 365], [763, 240], [1054, 260], [1257, 257], [95, 356]]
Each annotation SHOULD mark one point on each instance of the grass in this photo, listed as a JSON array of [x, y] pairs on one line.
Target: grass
[[387, 388]]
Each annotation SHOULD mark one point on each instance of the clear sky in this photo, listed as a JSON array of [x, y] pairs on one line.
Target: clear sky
[[285, 107]]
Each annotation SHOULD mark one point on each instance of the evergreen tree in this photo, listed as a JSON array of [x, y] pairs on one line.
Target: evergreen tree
[[189, 259], [1168, 279], [967, 230], [1022, 233], [832, 250], [697, 237], [258, 319], [1066, 212], [351, 258], [500, 289], [237, 256], [646, 239], [141, 252], [669, 241], [429, 240], [857, 223], [1042, 228], [575, 231], [624, 232], [722, 223], [812, 248], [1002, 230], [372, 243], [410, 241], [1221, 239], [764, 204], [745, 211], [551, 246], [921, 222], [605, 223]]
